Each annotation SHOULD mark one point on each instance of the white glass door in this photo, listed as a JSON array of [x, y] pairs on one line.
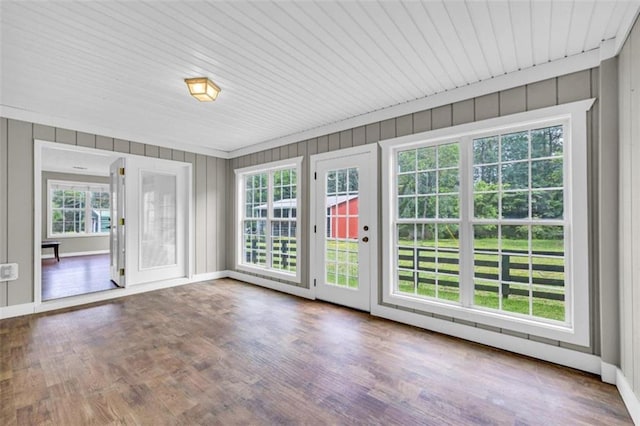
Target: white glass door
[[117, 229], [344, 223], [158, 203]]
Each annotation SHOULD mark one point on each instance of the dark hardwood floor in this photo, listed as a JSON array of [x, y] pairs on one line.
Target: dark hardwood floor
[[75, 275], [225, 352]]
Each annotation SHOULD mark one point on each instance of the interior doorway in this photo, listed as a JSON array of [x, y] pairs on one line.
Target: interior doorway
[[80, 244], [75, 222]]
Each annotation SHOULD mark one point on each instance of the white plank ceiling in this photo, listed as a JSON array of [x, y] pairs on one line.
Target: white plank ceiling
[[284, 67]]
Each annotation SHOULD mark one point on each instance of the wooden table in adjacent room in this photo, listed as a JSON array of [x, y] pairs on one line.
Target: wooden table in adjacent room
[[55, 245]]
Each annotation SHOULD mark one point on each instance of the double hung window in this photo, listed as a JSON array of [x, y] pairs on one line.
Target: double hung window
[[78, 209], [269, 207]]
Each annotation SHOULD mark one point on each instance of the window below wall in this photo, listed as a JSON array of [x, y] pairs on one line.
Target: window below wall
[[77, 209], [268, 238], [486, 222]]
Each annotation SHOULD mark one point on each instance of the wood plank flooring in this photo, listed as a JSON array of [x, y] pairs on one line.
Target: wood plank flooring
[[75, 275], [224, 352]]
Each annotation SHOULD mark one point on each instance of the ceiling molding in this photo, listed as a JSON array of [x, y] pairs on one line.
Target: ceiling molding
[[627, 24], [607, 49], [556, 68]]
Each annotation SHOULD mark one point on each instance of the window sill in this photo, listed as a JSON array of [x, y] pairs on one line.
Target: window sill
[[65, 236], [555, 331]]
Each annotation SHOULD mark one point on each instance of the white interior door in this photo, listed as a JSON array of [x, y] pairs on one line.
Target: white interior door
[[117, 232], [344, 226], [157, 206]]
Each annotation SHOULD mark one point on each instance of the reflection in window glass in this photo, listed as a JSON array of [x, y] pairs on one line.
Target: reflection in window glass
[[158, 220]]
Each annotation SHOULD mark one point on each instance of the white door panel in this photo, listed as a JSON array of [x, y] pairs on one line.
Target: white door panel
[[158, 203], [344, 219], [117, 231]]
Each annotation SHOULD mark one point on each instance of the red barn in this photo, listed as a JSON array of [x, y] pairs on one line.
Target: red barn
[[342, 216]]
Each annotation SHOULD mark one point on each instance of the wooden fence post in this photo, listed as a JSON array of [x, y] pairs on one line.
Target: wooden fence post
[[505, 275], [254, 251], [416, 264], [284, 249]]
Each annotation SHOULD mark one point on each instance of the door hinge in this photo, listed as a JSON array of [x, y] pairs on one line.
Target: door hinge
[[122, 221], [315, 229], [121, 171], [121, 271], [315, 176], [314, 282]]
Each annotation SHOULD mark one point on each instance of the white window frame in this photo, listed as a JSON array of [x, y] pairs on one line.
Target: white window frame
[[269, 168], [87, 187], [576, 329]]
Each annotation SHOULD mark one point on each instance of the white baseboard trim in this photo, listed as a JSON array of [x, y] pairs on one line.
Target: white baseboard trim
[[17, 310], [555, 354], [608, 373], [630, 399], [80, 253], [210, 276], [274, 285]]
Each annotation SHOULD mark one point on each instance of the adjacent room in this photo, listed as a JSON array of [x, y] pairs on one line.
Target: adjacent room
[[320, 212], [76, 222]]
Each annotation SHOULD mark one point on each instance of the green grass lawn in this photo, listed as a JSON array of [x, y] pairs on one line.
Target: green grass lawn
[[433, 266], [341, 263], [544, 308]]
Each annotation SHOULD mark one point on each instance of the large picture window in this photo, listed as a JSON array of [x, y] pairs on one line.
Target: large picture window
[[78, 209], [268, 203], [489, 224]]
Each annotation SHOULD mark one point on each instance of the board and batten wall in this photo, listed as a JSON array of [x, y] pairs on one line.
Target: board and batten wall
[[17, 198], [74, 245], [562, 89], [629, 112]]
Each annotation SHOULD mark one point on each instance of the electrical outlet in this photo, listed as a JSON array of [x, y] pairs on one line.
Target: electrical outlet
[[9, 272]]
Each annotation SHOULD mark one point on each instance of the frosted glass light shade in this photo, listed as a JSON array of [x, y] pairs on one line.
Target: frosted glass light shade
[[202, 89]]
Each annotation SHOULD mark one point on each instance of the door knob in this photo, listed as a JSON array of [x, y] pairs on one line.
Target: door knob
[[365, 239]]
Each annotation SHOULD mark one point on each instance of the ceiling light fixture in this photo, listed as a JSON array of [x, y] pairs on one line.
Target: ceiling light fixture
[[202, 89]]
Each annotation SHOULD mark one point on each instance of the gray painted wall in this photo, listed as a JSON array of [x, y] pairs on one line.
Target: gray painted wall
[[4, 186], [17, 198], [554, 91], [71, 245], [629, 110]]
